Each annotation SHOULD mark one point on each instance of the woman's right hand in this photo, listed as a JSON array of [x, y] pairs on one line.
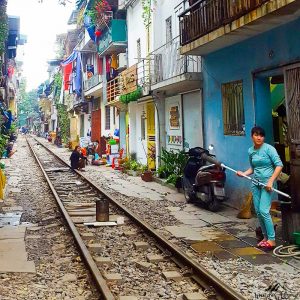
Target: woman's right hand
[[240, 174]]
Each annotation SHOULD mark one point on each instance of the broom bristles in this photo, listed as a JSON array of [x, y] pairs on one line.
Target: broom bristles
[[245, 212]]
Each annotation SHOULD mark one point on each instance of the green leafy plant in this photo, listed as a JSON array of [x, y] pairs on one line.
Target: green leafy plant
[[143, 168], [147, 11], [134, 165], [161, 171], [97, 10], [3, 27], [3, 143], [63, 122], [173, 163], [126, 165], [133, 96]]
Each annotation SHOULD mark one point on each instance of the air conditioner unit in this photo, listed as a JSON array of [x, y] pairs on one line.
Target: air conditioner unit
[[122, 59]]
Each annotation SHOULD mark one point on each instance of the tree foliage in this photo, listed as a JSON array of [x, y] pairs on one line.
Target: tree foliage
[[28, 105], [3, 25]]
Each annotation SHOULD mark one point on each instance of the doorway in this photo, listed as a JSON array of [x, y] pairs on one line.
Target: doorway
[[271, 114], [279, 120]]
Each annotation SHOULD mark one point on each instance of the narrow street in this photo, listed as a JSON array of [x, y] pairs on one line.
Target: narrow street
[[220, 242]]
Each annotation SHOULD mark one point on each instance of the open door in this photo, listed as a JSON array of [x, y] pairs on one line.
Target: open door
[[150, 111]]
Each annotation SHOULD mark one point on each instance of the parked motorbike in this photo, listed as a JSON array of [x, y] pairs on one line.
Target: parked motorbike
[[203, 179]]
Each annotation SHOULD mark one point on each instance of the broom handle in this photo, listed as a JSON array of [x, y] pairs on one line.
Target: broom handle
[[256, 182]]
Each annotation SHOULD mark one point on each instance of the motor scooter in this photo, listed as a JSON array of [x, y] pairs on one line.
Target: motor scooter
[[203, 179]]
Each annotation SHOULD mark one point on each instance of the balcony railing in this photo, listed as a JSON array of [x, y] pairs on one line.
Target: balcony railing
[[92, 82], [166, 62], [113, 37], [113, 89], [206, 16]]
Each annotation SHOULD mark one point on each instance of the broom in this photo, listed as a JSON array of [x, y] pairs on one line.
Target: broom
[[245, 212]]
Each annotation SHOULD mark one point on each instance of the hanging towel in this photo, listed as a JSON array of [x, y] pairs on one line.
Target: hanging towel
[[67, 70]]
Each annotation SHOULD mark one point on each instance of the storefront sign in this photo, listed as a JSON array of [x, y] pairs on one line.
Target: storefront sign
[[128, 80], [174, 140], [174, 117]]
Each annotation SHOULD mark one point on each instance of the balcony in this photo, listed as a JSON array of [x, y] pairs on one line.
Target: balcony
[[114, 38], [210, 25], [124, 84], [93, 86], [172, 72], [78, 101], [113, 90]]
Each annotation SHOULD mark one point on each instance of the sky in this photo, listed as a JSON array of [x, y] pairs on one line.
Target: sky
[[40, 22]]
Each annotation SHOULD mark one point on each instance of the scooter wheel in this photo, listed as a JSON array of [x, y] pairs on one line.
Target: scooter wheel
[[189, 196], [187, 191], [214, 205]]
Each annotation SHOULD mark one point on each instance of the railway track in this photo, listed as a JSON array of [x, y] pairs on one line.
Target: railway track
[[128, 259]]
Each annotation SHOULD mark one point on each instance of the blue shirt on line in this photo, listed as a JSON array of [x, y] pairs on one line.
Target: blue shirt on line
[[263, 161]]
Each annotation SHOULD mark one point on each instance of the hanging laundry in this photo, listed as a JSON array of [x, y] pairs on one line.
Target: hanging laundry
[[89, 26], [107, 65], [90, 71], [10, 71], [100, 65], [67, 70], [114, 65], [75, 58]]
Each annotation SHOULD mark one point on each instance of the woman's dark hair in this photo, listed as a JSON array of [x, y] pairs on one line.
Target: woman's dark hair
[[258, 130], [76, 147]]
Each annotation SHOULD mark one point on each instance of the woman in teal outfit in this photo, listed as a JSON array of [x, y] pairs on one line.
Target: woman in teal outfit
[[266, 166]]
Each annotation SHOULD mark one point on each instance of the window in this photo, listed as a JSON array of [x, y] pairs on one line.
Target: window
[[139, 50], [114, 115], [233, 108], [169, 30], [96, 104], [107, 117]]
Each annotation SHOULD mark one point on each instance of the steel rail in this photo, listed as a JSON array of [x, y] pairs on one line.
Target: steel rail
[[99, 280], [207, 278]]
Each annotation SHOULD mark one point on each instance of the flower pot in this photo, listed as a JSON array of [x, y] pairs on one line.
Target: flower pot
[[147, 176]]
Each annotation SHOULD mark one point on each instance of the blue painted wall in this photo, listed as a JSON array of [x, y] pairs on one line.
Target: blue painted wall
[[273, 48]]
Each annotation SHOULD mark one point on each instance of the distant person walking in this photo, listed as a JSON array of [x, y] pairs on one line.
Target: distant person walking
[[266, 166]]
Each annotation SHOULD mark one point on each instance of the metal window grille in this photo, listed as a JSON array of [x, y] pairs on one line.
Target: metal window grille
[[139, 50], [169, 30], [107, 117], [233, 108]]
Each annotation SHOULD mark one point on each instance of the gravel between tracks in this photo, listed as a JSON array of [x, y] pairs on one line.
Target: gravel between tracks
[[60, 274], [252, 281], [138, 275]]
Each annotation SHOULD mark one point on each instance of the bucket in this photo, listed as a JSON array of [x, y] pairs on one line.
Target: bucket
[[102, 210], [297, 238]]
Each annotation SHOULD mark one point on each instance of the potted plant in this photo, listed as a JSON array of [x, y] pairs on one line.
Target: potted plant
[[146, 174], [134, 166]]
